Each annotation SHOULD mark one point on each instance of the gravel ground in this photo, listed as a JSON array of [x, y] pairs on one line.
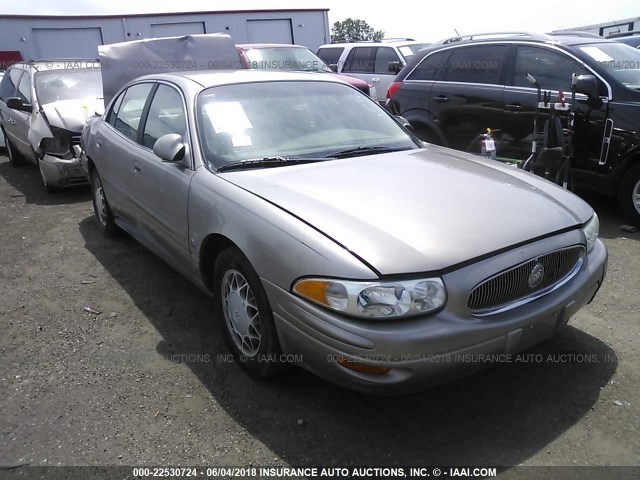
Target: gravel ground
[[148, 380]]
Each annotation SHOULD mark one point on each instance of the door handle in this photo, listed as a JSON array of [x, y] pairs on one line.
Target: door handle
[[98, 143], [375, 80], [514, 107], [441, 99], [136, 167]]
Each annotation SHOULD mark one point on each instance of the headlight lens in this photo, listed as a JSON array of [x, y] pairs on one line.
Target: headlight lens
[[374, 299], [591, 229]]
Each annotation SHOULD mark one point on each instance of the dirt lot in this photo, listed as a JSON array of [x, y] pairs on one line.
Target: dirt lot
[[148, 380]]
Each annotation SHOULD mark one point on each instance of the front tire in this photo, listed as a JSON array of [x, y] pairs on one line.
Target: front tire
[[101, 207], [629, 194], [242, 307]]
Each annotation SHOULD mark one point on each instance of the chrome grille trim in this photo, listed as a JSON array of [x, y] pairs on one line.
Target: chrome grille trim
[[510, 289]]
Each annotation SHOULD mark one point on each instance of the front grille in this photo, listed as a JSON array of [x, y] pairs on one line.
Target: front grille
[[75, 139], [525, 281]]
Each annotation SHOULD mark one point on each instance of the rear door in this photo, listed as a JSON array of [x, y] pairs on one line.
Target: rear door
[[113, 149], [468, 96], [371, 64]]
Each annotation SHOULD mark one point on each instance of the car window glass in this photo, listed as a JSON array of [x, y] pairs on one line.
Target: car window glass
[[291, 119], [360, 59], [113, 113], [330, 56], [475, 64], [128, 117], [551, 69], [9, 82], [166, 115], [384, 56], [429, 67], [24, 89]]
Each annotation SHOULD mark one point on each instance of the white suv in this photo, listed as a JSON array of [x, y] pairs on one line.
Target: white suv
[[374, 62]]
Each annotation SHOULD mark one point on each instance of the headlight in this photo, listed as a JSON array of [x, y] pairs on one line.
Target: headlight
[[374, 299], [590, 230]]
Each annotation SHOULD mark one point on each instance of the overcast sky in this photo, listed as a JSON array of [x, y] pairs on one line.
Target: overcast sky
[[422, 20]]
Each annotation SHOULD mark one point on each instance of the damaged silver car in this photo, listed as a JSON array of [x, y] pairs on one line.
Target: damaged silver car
[[43, 107]]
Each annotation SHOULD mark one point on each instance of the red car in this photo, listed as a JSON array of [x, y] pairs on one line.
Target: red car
[[278, 56]]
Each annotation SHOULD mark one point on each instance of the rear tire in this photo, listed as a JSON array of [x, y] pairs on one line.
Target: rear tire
[[15, 158], [101, 207], [242, 307], [629, 194]]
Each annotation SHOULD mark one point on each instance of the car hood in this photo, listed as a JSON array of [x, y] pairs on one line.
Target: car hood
[[71, 114], [421, 210]]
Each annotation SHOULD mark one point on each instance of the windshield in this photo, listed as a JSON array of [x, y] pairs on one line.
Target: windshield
[[283, 58], [298, 119], [78, 84], [409, 50], [620, 60]]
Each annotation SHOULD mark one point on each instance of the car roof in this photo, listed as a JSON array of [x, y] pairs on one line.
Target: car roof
[[211, 78], [568, 38], [248, 46], [375, 43]]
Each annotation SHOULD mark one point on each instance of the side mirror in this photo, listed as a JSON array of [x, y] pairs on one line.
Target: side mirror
[[334, 67], [587, 85], [15, 103], [170, 147], [395, 67]]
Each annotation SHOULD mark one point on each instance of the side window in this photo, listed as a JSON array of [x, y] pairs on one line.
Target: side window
[[130, 111], [166, 115], [551, 69], [113, 113], [330, 55], [384, 56], [24, 88], [360, 59], [429, 67], [475, 64], [9, 83]]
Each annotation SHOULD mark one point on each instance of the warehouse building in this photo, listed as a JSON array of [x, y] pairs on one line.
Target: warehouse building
[[611, 27], [34, 36]]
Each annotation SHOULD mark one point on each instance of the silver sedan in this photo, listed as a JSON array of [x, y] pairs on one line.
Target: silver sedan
[[329, 235]]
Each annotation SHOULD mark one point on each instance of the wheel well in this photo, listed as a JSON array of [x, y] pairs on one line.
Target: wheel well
[[211, 247]]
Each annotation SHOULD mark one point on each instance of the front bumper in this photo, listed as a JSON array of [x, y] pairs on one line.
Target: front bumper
[[60, 172], [424, 351]]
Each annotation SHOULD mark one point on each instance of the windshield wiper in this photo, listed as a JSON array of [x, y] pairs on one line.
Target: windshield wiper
[[352, 152], [266, 162]]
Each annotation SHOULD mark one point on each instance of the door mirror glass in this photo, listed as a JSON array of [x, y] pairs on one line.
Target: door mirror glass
[[170, 147]]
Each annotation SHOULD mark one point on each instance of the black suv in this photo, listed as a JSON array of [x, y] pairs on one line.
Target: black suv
[[454, 91]]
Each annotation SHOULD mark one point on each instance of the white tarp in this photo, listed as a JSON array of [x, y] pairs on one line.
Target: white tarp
[[122, 62]]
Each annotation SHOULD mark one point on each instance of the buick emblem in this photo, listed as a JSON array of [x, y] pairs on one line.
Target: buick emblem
[[536, 275]]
